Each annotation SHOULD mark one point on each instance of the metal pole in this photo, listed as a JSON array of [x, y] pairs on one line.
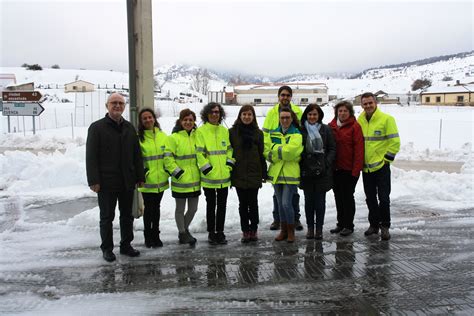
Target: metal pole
[[440, 130], [72, 126], [34, 127], [24, 131], [8, 119], [131, 62]]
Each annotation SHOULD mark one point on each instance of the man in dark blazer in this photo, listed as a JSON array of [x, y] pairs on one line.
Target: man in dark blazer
[[114, 168]]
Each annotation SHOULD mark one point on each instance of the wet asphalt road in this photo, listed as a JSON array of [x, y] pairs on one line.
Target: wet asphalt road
[[430, 272]]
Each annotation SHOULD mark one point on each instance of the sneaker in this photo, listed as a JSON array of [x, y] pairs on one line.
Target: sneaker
[[253, 235], [298, 225], [129, 251], [346, 232], [275, 225], [220, 237], [191, 238], [384, 234], [212, 239], [108, 256], [336, 230], [245, 237], [319, 234], [371, 231]]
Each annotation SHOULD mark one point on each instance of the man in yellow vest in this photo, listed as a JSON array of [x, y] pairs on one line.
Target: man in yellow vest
[[271, 122], [381, 144]]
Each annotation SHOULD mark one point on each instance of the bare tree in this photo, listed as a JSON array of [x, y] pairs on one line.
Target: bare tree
[[200, 81]]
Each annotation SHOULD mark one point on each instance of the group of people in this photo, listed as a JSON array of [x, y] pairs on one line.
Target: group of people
[[294, 149]]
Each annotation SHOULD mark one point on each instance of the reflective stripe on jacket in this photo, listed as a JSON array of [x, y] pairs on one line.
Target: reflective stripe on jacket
[[213, 149], [272, 120], [153, 150], [283, 151], [180, 155], [381, 140]]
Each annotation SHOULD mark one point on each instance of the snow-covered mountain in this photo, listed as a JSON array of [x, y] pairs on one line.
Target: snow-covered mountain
[[175, 80]]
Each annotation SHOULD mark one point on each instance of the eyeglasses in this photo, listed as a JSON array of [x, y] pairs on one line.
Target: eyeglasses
[[117, 103], [285, 95], [216, 112], [285, 118]]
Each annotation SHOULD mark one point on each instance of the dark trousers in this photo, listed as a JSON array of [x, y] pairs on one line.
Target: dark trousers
[[248, 209], [215, 216], [344, 188], [296, 207], [107, 203], [151, 214], [377, 184], [314, 204]]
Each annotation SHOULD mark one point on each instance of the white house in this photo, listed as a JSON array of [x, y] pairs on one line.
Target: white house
[[79, 86], [267, 94]]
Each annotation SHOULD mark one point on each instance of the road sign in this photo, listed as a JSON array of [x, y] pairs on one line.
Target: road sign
[[21, 96], [22, 109]]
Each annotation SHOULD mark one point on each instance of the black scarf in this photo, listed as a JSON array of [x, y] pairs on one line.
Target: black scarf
[[246, 134]]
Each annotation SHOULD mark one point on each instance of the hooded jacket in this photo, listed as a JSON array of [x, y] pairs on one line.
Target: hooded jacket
[[181, 164], [381, 139], [153, 149], [283, 152], [214, 155]]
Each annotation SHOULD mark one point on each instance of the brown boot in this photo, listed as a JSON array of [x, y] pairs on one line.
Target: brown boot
[[283, 232], [291, 233]]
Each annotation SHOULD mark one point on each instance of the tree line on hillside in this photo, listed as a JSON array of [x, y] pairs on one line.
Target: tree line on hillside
[[37, 66]]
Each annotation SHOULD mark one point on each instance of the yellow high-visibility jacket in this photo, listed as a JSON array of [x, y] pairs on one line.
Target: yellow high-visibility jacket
[[181, 162], [283, 151], [272, 120], [153, 149], [214, 155], [381, 139]]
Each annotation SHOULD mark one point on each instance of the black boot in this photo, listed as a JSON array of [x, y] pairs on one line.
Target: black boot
[[148, 239], [157, 241]]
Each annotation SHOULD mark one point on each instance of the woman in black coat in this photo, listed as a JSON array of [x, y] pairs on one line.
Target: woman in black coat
[[250, 169], [316, 167]]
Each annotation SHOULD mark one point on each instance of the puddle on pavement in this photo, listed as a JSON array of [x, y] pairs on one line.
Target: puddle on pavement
[[58, 211]]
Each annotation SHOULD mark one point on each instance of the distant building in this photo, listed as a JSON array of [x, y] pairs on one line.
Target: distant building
[[27, 86], [391, 98], [6, 80], [267, 94], [79, 86], [459, 94]]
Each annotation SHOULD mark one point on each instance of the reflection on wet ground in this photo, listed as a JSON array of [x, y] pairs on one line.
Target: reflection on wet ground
[[58, 211], [425, 273]]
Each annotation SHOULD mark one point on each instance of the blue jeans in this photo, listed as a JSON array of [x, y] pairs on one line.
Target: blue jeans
[[314, 203], [284, 195], [296, 207]]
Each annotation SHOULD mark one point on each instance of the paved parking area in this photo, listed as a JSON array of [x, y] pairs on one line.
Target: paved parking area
[[427, 272]]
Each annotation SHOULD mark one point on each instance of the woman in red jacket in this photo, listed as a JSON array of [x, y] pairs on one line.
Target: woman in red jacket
[[349, 163]]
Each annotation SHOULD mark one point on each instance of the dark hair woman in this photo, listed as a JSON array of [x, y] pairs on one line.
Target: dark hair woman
[[181, 164], [214, 157], [250, 169], [152, 144], [349, 163], [316, 167]]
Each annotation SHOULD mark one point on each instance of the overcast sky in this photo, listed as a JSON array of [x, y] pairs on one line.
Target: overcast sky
[[255, 37]]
